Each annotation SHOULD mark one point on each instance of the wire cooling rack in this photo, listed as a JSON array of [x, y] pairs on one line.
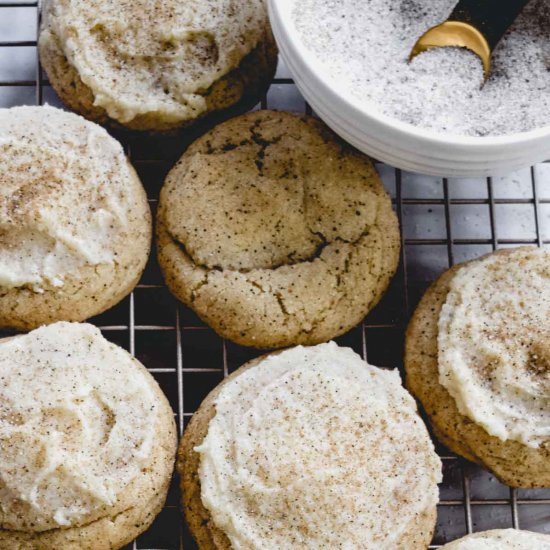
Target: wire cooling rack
[[443, 221]]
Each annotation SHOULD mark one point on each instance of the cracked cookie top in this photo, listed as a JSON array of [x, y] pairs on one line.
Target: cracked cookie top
[[267, 190], [78, 417], [68, 198], [275, 231]]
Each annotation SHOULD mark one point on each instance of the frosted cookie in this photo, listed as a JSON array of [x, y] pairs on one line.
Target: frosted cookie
[[157, 65], [87, 442], [275, 232], [308, 448], [501, 539], [75, 226], [477, 356]]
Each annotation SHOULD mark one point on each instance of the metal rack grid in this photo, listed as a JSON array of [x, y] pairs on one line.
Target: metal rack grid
[[443, 221]]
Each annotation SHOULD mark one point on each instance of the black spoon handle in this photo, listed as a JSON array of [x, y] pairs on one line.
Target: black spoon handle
[[492, 17]]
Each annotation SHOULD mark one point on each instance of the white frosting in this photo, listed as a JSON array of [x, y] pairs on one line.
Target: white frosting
[[502, 539], [155, 56], [64, 196], [77, 420], [313, 448], [494, 344]]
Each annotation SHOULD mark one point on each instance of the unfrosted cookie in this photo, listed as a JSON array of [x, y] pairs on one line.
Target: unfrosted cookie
[[477, 356], [75, 226], [501, 539], [87, 442], [309, 448], [275, 232], [157, 65]]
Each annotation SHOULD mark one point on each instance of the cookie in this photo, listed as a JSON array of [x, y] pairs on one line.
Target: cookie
[[477, 357], [501, 539], [157, 66], [306, 448], [75, 225], [275, 232], [87, 442]]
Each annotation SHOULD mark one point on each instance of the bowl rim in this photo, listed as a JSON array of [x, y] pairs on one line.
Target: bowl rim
[[280, 9]]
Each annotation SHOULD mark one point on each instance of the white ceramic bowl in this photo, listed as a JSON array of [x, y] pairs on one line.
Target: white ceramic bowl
[[392, 141]]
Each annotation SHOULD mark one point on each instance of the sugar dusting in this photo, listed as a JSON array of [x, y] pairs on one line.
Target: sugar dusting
[[313, 448], [364, 46]]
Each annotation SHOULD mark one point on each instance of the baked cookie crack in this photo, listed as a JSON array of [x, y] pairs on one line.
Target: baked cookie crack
[[317, 254], [276, 294], [263, 144], [275, 233]]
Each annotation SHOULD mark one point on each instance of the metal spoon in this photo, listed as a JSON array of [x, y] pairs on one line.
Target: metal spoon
[[477, 25]]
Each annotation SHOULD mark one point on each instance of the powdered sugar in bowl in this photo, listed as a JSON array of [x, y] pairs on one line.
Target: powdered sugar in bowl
[[349, 58]]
